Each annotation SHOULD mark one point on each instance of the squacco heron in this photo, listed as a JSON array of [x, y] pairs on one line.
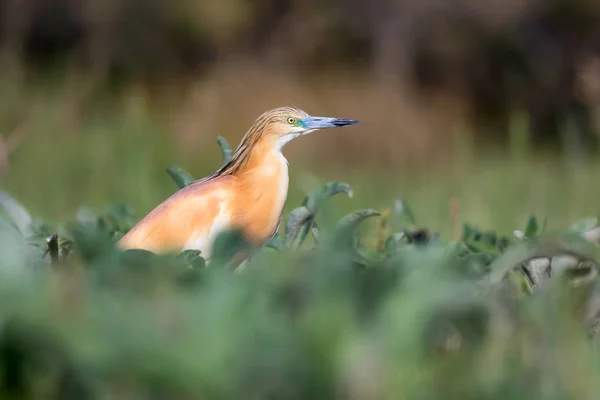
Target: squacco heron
[[247, 193]]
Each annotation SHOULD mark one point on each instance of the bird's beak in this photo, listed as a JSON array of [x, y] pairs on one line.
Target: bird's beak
[[312, 123]]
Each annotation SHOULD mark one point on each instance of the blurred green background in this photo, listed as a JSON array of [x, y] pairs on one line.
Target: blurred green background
[[494, 103], [481, 112]]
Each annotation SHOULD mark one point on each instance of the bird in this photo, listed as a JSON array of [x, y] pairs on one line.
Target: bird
[[248, 193]]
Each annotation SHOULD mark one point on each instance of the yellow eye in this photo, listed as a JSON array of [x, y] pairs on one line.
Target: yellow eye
[[291, 120]]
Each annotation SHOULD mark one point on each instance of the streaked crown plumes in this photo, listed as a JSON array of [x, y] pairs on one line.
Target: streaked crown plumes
[[271, 125]]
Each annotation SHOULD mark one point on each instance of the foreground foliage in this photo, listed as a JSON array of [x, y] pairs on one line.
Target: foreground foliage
[[322, 311]]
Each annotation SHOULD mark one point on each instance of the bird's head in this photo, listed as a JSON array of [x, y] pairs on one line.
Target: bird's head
[[272, 130], [279, 126]]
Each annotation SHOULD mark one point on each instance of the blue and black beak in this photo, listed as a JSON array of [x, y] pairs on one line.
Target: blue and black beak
[[326, 122]]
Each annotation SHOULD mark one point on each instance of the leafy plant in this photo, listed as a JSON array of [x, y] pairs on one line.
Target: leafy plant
[[181, 177], [226, 150], [395, 313]]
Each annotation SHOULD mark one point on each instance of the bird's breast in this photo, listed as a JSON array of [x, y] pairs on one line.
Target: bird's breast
[[261, 200]]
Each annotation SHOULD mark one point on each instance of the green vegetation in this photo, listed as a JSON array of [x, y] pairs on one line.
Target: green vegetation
[[432, 272], [324, 310]]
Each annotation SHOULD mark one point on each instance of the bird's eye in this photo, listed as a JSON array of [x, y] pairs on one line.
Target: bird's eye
[[291, 120]]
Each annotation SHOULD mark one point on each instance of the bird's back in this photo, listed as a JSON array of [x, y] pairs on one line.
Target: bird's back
[[189, 219]]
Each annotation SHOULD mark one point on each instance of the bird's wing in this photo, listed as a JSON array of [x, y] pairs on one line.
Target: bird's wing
[[189, 219]]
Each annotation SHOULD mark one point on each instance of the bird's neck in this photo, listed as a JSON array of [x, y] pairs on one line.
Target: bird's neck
[[264, 166], [253, 156], [262, 184]]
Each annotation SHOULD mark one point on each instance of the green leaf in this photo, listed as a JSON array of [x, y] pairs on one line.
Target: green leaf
[[276, 242], [584, 225], [94, 244], [546, 247], [352, 220], [393, 242], [193, 258], [229, 245], [226, 150], [468, 231], [297, 226], [300, 221], [7, 217], [14, 250], [18, 214], [532, 227], [136, 257], [314, 229], [403, 214], [346, 226], [490, 238], [314, 200], [181, 177], [119, 218]]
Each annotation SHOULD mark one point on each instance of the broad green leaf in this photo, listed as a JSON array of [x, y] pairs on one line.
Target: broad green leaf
[[296, 226], [547, 247], [181, 177], [226, 150], [486, 242], [193, 258], [300, 221], [94, 244], [229, 245], [276, 242], [136, 256], [120, 218], [314, 200], [349, 223]]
